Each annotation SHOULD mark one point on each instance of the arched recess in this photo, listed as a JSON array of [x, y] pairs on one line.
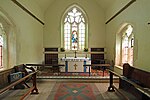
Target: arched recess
[[9, 40], [124, 45], [84, 15]]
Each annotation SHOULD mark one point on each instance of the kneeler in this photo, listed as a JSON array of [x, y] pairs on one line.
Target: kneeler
[[14, 77]]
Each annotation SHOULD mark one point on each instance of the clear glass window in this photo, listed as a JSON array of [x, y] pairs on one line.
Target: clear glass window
[[127, 46]]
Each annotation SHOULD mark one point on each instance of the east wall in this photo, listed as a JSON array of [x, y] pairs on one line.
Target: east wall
[[137, 15], [28, 32], [96, 22]]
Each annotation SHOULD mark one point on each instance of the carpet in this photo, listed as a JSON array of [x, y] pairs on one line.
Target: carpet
[[75, 91]]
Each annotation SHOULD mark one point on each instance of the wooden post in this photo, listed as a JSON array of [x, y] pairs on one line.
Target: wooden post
[[111, 87], [35, 90]]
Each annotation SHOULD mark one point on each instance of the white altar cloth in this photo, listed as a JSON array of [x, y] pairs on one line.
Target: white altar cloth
[[75, 59], [75, 64]]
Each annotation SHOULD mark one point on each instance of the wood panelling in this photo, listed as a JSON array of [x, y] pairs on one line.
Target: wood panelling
[[51, 58], [51, 49], [96, 58], [97, 55], [97, 49]]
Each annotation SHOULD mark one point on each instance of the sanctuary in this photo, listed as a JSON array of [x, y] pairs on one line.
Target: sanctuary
[[73, 64]]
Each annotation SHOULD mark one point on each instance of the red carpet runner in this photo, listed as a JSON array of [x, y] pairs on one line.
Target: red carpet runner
[[75, 91]]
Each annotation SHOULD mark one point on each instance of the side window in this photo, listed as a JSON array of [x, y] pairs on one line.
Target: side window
[[125, 46], [1, 46]]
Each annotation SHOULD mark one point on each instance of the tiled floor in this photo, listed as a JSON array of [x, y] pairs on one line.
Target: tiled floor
[[47, 86]]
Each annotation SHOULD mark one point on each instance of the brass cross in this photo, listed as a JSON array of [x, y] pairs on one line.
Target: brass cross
[[75, 66], [75, 54]]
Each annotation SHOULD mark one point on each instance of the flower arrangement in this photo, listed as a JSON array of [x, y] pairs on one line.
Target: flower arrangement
[[62, 49], [85, 49]]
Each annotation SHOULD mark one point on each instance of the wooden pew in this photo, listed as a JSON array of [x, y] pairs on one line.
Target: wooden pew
[[133, 81], [4, 77], [32, 90]]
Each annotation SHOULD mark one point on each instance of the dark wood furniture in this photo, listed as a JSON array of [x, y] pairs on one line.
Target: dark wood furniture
[[97, 57], [97, 54], [6, 85], [133, 81], [53, 67], [51, 58], [107, 66], [4, 77], [51, 55]]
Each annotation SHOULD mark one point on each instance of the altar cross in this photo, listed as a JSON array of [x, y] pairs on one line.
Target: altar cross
[[75, 66]]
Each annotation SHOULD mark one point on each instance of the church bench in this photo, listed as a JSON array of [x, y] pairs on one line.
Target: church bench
[[133, 81], [9, 84], [4, 77]]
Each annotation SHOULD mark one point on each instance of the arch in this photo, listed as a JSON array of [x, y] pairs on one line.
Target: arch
[[9, 36], [122, 39], [86, 24]]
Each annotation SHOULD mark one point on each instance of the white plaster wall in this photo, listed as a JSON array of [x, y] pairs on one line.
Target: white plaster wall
[[32, 6], [28, 32], [115, 7], [138, 15], [96, 18]]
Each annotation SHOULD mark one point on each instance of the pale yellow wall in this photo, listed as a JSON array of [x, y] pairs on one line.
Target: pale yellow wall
[[53, 15], [115, 7], [32, 6], [28, 33], [138, 15]]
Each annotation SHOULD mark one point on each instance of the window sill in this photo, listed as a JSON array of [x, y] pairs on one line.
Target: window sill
[[1, 69], [119, 67]]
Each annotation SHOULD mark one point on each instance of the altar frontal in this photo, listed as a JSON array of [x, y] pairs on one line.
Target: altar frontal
[[75, 64]]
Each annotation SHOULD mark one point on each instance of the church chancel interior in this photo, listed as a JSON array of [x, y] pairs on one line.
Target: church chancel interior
[[74, 50]]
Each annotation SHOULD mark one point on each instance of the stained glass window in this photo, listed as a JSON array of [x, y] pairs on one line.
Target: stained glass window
[[74, 30]]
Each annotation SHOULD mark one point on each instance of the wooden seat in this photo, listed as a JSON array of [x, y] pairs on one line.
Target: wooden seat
[[134, 81]]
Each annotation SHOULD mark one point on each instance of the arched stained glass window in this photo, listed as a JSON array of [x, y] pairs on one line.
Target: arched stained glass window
[[74, 30]]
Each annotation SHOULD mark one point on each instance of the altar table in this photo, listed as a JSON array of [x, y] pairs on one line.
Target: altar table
[[73, 64]]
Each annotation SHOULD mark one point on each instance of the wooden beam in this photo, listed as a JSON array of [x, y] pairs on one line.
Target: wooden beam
[[121, 10], [27, 11]]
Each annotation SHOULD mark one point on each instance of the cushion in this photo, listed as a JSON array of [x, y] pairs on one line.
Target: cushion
[[15, 76]]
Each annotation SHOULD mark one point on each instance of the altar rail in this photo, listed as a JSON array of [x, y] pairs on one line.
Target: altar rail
[[55, 68], [133, 85]]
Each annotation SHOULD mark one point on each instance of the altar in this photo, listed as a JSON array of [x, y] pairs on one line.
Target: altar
[[73, 64]]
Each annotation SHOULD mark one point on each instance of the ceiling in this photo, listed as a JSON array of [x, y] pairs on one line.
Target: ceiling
[[44, 4]]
